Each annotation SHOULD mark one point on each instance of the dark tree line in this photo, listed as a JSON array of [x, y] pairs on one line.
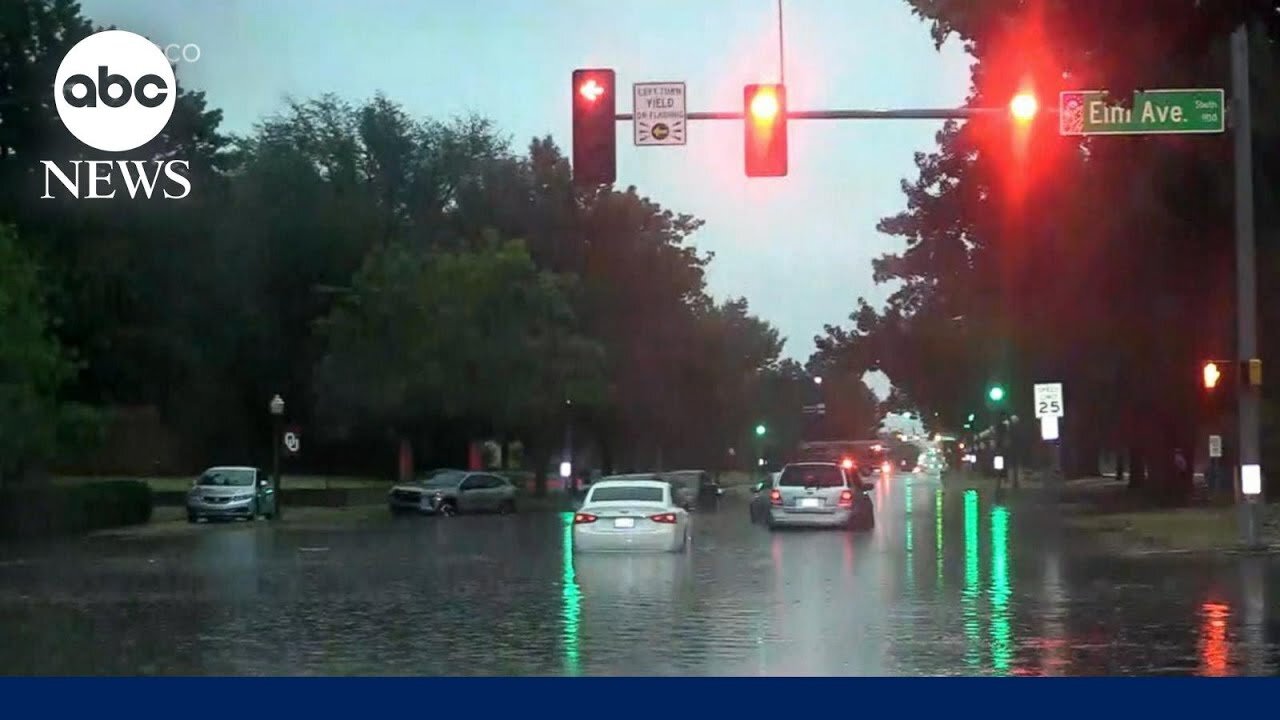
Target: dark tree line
[[1106, 263]]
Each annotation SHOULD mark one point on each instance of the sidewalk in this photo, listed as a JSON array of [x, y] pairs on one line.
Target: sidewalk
[[1128, 522]]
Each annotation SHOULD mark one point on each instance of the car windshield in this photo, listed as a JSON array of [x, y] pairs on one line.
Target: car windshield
[[626, 493], [811, 476], [442, 478], [227, 477]]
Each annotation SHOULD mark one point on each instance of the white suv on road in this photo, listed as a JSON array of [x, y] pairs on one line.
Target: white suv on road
[[818, 494]]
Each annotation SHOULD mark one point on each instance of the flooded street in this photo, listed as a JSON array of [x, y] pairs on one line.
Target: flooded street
[[946, 584]]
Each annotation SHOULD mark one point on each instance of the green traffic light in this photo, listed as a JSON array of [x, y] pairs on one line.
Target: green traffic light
[[996, 393], [760, 429]]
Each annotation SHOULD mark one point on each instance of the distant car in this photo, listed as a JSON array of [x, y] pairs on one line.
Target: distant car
[[819, 495], [229, 492], [695, 489], [450, 492], [631, 513]]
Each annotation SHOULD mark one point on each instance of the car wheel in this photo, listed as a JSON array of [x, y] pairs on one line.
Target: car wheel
[[507, 508]]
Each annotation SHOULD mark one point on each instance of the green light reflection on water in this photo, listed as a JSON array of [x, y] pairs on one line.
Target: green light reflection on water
[[972, 581], [911, 569], [937, 530], [1001, 632], [570, 598]]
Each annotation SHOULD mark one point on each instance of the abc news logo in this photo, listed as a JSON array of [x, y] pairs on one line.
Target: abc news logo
[[115, 92]]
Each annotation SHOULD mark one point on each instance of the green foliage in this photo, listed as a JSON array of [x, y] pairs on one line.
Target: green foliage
[[1096, 262], [455, 335], [68, 509], [33, 367]]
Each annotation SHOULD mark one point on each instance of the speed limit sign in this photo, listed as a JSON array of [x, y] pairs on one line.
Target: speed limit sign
[[292, 442]]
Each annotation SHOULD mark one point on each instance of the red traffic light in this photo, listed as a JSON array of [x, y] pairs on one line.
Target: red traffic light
[[595, 139], [1024, 106], [764, 105], [764, 109], [1211, 375], [591, 90]]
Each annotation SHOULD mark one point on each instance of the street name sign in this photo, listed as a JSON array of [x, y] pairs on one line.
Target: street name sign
[[1154, 112], [659, 113], [1048, 400]]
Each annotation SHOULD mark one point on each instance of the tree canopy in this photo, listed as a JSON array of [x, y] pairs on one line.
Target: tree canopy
[[1101, 262], [392, 277]]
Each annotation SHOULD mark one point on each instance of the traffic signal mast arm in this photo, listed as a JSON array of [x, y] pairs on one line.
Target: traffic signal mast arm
[[905, 114]]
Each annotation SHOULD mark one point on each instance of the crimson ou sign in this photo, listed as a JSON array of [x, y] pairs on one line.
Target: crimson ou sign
[[188, 53], [292, 442]]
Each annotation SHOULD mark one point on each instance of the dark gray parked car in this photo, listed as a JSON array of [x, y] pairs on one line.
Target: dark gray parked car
[[449, 492]]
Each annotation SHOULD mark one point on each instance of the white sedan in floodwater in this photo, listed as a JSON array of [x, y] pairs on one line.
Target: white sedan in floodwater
[[630, 513]]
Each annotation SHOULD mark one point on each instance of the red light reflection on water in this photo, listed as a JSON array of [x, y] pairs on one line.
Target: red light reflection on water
[[1214, 652]]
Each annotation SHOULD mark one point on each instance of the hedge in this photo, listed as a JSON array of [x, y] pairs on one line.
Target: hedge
[[70, 509]]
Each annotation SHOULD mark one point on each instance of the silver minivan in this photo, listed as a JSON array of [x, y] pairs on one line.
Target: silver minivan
[[817, 494]]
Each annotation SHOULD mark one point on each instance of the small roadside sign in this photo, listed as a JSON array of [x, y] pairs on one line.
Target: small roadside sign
[[1215, 446], [1154, 112], [659, 113], [1049, 427], [292, 441], [1048, 400]]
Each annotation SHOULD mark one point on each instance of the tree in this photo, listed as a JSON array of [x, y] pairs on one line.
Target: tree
[[478, 338], [988, 219], [34, 369]]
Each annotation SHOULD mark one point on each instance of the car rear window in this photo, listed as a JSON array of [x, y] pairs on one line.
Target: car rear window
[[811, 476], [626, 493]]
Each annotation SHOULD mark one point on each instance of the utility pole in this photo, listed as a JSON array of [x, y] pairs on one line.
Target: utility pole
[[1249, 483]]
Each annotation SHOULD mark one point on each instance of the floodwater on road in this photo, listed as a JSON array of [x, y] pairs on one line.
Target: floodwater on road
[[946, 584]]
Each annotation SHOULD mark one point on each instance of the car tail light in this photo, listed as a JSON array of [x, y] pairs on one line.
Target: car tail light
[[580, 518], [846, 498], [665, 518], [775, 497], [847, 463]]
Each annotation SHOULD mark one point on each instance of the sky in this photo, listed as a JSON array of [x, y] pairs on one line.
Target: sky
[[798, 248]]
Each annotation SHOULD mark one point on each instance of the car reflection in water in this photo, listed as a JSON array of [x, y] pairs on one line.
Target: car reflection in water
[[637, 603]]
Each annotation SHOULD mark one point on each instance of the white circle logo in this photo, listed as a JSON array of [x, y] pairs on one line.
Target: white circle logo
[[115, 91]]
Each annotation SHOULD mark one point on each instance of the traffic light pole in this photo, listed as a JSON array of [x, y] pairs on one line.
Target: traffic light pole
[[905, 114], [1248, 395]]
